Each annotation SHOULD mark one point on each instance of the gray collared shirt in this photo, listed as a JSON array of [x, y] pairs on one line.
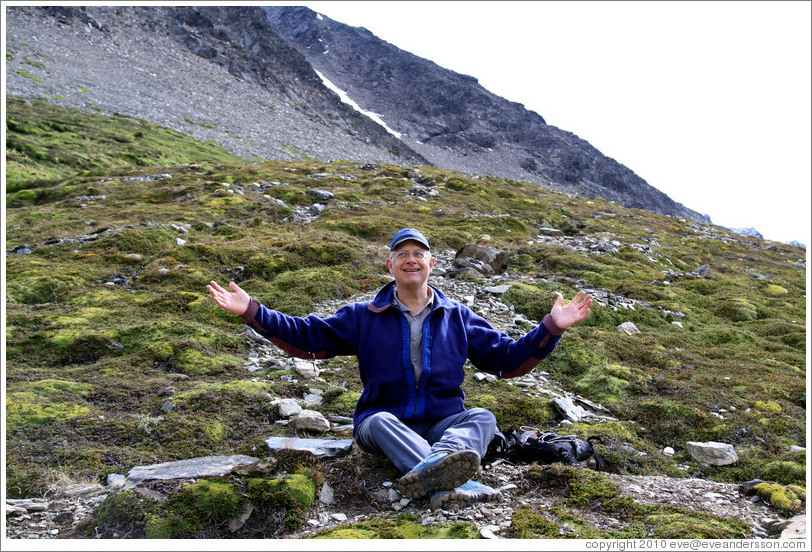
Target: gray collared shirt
[[416, 329]]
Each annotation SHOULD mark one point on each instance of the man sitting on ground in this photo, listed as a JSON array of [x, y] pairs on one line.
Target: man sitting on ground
[[412, 343]]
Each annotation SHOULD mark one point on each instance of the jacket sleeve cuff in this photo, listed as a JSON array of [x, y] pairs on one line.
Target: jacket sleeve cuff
[[250, 313], [551, 326]]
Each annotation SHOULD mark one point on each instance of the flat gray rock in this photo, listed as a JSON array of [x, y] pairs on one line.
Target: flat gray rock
[[497, 290], [289, 407], [205, 466], [306, 368], [82, 490], [29, 504], [319, 447], [310, 420], [12, 511], [568, 409], [628, 328], [796, 529]]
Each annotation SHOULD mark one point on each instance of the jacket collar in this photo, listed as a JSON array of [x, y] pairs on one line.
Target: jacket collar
[[386, 298]]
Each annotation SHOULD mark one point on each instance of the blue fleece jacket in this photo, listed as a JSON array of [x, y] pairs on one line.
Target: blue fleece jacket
[[378, 334]]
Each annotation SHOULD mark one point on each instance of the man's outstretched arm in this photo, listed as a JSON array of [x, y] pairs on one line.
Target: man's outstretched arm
[[310, 337], [510, 359]]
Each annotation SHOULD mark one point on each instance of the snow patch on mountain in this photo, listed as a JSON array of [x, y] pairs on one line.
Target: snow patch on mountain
[[347, 100]]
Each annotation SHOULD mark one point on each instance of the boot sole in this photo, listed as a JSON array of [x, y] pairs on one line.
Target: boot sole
[[449, 472]]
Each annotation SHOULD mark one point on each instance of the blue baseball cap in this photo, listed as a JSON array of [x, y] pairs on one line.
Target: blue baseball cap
[[408, 234]]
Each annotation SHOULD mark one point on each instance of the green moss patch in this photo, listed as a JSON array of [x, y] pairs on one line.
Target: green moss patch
[[236, 389], [195, 362], [511, 408], [738, 309], [783, 499], [530, 523], [188, 510], [205, 507], [401, 528], [532, 301], [40, 286], [674, 523], [610, 384], [45, 401], [342, 402], [785, 472], [773, 290], [667, 422]]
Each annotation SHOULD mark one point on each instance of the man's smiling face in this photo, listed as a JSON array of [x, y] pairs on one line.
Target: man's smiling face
[[410, 264]]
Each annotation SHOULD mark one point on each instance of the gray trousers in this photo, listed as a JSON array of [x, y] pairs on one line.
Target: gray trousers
[[406, 443]]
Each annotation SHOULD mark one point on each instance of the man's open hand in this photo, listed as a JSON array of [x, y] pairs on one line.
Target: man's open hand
[[236, 302], [573, 312]]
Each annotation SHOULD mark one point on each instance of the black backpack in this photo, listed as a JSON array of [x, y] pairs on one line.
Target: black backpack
[[528, 444]]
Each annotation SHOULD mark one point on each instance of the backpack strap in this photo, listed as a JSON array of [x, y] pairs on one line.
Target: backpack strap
[[553, 437], [600, 463], [497, 448]]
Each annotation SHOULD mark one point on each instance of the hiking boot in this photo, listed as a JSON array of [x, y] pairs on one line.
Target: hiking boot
[[439, 471], [464, 495]]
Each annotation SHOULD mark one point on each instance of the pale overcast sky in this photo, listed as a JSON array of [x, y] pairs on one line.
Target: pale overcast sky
[[707, 101]]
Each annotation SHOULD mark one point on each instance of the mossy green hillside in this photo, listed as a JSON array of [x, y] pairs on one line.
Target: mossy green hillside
[[45, 142], [111, 299]]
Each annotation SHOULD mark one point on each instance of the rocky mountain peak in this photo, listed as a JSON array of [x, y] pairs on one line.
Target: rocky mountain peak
[[456, 123]]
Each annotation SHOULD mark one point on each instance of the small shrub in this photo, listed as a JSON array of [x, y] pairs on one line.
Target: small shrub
[[784, 472], [737, 309], [36, 287], [774, 290], [531, 524], [125, 508], [293, 494]]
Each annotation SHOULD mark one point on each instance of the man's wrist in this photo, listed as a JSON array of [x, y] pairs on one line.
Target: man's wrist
[[250, 311], [551, 326]]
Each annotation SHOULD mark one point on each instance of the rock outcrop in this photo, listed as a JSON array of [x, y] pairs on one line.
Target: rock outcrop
[[216, 73], [456, 123]]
